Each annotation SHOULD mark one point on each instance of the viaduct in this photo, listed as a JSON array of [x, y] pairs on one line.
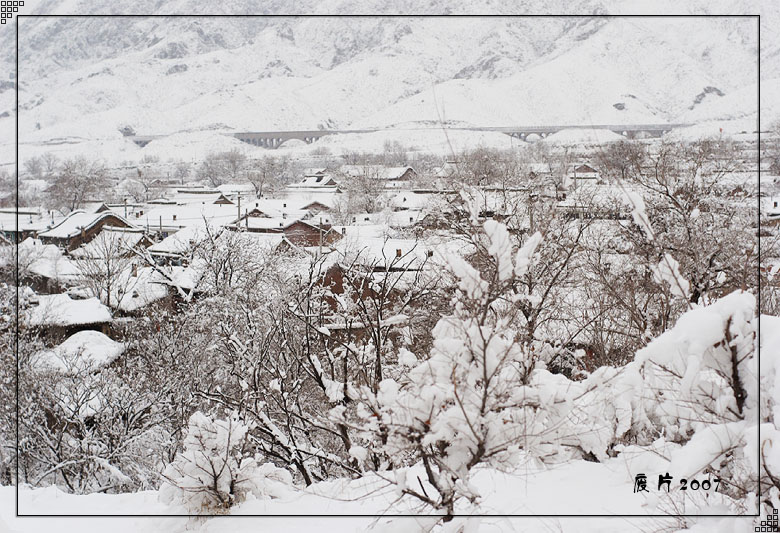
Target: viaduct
[[274, 139]]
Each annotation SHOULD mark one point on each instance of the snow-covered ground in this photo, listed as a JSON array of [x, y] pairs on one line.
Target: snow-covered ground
[[572, 489]]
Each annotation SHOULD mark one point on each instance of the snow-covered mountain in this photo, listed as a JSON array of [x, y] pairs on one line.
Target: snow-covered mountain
[[85, 78]]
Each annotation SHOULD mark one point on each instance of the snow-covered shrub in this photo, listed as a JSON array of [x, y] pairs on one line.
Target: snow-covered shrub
[[464, 405], [702, 371], [698, 388], [215, 471]]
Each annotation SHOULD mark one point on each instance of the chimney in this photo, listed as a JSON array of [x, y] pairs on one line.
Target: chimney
[[174, 217], [135, 269], [398, 252]]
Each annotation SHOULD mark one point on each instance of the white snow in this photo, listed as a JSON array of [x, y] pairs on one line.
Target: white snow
[[61, 310], [84, 349]]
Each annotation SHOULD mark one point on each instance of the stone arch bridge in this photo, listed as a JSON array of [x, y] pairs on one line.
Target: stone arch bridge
[[274, 139]]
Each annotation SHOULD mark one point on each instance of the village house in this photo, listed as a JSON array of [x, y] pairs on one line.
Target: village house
[[389, 177], [43, 267], [31, 222], [584, 174], [58, 316], [317, 179], [113, 240], [79, 228]]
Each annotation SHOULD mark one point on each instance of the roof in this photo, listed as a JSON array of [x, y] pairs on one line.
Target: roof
[[597, 196], [61, 310], [233, 188], [46, 260], [263, 223], [316, 181], [76, 221], [584, 168], [109, 241], [382, 252], [146, 287], [409, 200], [378, 172], [84, 350], [28, 220], [188, 215], [182, 241]]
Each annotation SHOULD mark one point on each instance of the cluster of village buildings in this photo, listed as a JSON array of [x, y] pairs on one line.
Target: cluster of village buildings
[[164, 230]]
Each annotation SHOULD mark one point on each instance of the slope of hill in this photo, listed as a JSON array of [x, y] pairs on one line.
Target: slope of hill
[[85, 78]]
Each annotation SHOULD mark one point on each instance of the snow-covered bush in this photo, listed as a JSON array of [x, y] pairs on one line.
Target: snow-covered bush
[[464, 405], [216, 471]]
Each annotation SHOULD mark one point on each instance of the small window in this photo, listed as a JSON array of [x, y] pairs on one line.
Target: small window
[[775, 204]]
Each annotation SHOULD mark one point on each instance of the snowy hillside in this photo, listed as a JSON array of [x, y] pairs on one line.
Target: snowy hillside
[[84, 78]]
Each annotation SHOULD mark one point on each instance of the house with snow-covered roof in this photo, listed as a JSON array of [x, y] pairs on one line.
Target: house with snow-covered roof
[[583, 174], [113, 241], [43, 267], [31, 222], [315, 182], [79, 228], [83, 351], [57, 316], [409, 200], [389, 177]]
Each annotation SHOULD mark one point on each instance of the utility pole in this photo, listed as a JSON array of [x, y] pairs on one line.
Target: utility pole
[[319, 253], [125, 207], [238, 222]]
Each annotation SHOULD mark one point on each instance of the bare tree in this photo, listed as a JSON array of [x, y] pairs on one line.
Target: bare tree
[[76, 181], [265, 173], [222, 167], [106, 266]]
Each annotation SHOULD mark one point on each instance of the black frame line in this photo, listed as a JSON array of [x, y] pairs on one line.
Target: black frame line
[[757, 17]]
